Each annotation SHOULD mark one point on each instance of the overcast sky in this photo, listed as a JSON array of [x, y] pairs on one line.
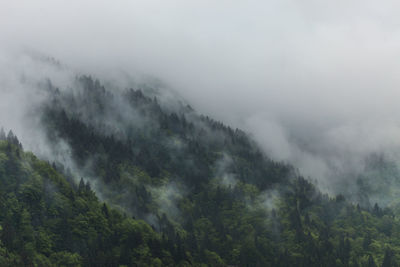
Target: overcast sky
[[316, 82]]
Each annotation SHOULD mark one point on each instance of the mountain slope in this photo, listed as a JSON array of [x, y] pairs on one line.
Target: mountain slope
[[207, 188], [49, 220], [122, 137]]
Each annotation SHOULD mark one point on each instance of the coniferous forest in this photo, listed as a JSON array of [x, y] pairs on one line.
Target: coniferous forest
[[150, 183]]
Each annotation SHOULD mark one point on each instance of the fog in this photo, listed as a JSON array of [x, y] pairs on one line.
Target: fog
[[316, 84]]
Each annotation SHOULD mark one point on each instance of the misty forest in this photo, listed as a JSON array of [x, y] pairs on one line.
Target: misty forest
[[158, 185], [144, 135]]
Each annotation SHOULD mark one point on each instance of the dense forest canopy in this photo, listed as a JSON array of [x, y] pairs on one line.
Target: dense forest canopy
[[157, 185]]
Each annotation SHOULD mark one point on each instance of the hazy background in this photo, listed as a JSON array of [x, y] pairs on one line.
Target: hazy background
[[315, 82]]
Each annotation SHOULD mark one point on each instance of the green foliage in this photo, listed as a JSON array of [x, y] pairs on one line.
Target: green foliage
[[46, 221], [203, 195]]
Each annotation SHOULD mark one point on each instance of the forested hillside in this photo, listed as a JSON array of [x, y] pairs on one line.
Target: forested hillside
[[131, 145], [47, 219], [179, 189]]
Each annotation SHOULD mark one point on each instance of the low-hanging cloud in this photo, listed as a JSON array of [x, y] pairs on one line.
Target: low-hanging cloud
[[317, 84]]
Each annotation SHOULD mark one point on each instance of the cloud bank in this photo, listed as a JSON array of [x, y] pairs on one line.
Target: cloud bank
[[316, 84]]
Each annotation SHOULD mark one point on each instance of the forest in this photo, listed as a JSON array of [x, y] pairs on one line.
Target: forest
[[153, 184]]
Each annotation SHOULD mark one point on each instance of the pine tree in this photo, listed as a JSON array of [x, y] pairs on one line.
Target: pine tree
[[387, 260], [371, 262], [2, 134]]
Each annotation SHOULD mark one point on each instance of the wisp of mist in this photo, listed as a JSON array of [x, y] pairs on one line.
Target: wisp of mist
[[315, 84]]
